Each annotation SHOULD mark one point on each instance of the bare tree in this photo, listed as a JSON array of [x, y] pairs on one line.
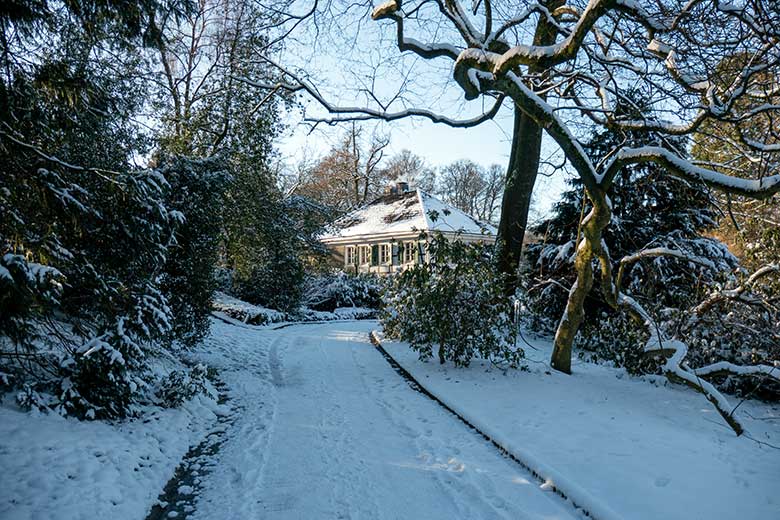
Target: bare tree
[[350, 174], [202, 105], [472, 188], [461, 185], [492, 192], [412, 168]]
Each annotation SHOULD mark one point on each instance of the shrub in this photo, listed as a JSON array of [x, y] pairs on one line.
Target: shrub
[[328, 291], [179, 386], [277, 284], [454, 302], [615, 337], [188, 280]]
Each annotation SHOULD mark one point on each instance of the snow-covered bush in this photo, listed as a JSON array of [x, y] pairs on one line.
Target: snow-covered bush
[[180, 386], [197, 190], [276, 284], [330, 290], [454, 303], [616, 338], [84, 233]]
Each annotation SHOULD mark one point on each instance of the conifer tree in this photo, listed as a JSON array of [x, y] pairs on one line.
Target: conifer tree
[[651, 209]]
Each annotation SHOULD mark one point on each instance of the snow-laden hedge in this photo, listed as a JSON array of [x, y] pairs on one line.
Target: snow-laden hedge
[[332, 290], [256, 315]]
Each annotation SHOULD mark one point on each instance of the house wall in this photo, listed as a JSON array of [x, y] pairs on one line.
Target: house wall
[[396, 261]]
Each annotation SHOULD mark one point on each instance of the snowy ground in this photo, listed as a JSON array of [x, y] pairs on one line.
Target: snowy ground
[[51, 467], [331, 431], [327, 429], [621, 446]]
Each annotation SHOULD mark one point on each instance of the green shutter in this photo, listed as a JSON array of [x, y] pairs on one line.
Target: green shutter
[[375, 255]]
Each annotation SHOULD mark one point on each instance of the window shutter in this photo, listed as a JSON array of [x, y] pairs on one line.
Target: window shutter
[[375, 255], [397, 251], [421, 252]]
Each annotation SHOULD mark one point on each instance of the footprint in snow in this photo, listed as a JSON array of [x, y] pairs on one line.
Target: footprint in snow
[[662, 481]]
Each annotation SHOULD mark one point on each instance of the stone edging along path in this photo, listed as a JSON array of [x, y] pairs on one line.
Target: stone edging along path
[[576, 497]]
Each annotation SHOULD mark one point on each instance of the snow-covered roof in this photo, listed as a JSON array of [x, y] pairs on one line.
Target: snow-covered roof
[[411, 211]]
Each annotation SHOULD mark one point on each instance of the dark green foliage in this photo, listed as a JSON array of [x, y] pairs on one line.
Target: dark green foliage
[[197, 190], [615, 338], [278, 282], [650, 209], [84, 233], [268, 238], [455, 303], [179, 386]]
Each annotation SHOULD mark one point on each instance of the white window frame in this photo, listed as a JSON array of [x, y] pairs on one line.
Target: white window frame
[[410, 252], [384, 254], [349, 255], [364, 256]]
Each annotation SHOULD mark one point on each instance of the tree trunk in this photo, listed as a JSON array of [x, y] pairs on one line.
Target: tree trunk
[[590, 247], [522, 170], [516, 203]]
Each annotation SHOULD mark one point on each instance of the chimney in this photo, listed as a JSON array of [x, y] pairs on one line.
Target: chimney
[[397, 187]]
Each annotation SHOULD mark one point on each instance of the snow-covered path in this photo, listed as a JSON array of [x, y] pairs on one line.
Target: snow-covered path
[[329, 430]]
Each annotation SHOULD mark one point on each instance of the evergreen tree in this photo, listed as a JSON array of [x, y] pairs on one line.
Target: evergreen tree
[[84, 233], [651, 209], [197, 191]]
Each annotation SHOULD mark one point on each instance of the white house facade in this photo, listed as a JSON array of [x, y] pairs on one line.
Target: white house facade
[[383, 237]]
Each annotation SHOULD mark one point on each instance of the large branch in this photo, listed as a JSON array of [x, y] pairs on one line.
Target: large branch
[[656, 252], [547, 56], [675, 368], [389, 11], [737, 293], [753, 188]]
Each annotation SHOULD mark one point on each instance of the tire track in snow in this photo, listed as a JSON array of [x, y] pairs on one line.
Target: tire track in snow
[[347, 475], [328, 431]]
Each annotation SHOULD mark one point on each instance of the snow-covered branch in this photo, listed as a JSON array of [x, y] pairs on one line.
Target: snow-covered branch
[[737, 293], [389, 11], [675, 351], [754, 188], [656, 252]]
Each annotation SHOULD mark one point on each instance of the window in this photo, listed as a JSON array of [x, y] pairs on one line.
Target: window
[[384, 253], [409, 250], [349, 255], [364, 255]]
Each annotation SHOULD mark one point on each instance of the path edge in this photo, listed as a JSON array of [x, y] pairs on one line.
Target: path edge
[[573, 494]]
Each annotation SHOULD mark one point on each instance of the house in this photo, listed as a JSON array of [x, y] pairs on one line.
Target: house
[[383, 236]]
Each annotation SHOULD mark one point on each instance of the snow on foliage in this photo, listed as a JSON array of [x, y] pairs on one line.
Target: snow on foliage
[[453, 303], [241, 312]]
